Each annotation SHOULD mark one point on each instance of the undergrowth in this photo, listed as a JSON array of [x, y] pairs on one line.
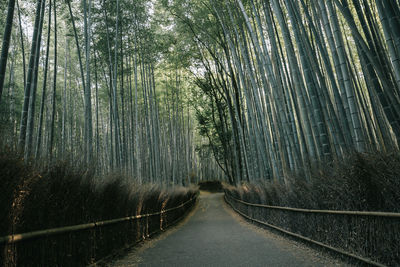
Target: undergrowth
[[33, 198], [360, 182], [364, 182]]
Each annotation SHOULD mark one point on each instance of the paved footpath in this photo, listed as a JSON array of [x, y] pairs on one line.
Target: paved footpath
[[213, 235]]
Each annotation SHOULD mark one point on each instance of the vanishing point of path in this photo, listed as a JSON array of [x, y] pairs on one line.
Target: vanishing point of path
[[213, 235]]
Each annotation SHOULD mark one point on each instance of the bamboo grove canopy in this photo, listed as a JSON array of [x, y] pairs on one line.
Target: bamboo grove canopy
[[172, 89]]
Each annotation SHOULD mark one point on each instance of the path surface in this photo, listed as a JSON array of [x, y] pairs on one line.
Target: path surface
[[214, 236]]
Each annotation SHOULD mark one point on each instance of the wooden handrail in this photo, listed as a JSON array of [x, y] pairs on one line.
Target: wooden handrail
[[337, 250], [10, 239], [340, 212]]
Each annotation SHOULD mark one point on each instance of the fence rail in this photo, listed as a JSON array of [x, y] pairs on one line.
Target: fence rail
[[89, 243], [298, 218], [341, 212], [10, 239]]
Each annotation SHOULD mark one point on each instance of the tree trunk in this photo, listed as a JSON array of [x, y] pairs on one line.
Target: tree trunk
[[6, 43]]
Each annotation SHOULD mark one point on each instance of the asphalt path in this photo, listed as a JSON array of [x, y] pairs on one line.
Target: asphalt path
[[213, 235]]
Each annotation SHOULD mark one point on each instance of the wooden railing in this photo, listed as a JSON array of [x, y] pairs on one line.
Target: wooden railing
[[68, 229], [372, 238], [77, 241]]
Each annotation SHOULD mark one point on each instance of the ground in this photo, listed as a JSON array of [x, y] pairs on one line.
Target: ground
[[213, 235]]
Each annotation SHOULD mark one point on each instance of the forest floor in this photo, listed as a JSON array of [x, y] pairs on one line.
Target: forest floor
[[214, 235]]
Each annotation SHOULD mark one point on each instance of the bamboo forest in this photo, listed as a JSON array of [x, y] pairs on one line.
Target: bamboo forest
[[220, 118]]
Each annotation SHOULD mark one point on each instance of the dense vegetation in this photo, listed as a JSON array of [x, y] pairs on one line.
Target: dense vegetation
[[94, 125], [100, 84], [360, 182], [59, 195], [299, 100], [287, 85], [276, 87]]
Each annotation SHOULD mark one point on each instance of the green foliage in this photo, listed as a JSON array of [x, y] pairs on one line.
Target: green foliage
[[211, 114]]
